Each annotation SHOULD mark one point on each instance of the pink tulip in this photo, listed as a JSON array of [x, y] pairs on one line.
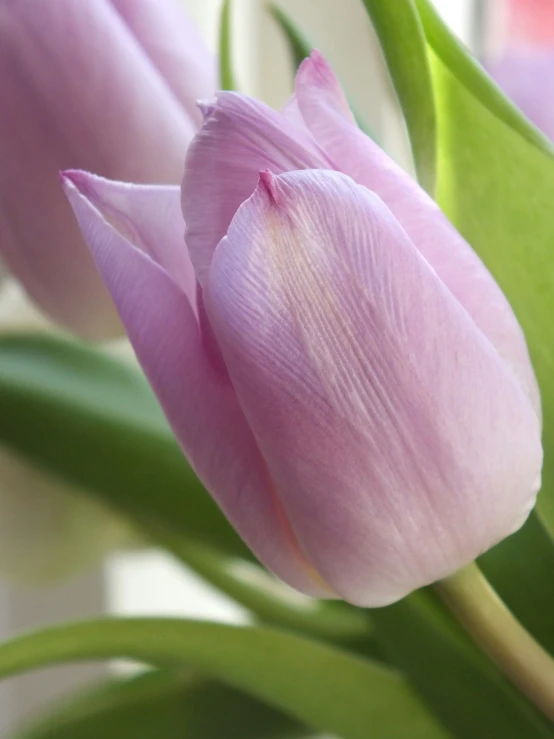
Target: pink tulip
[[344, 374], [522, 59], [106, 85]]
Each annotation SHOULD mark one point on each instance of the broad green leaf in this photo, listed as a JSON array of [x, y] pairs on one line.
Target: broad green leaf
[[401, 36], [165, 705], [226, 72], [322, 687], [458, 683], [496, 179], [95, 422]]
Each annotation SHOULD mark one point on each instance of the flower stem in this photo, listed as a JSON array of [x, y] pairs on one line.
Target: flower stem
[[484, 615]]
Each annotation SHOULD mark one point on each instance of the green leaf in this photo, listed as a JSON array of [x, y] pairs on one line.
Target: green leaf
[[165, 705], [94, 421], [300, 47], [458, 683], [299, 44], [496, 178], [319, 686], [226, 72], [402, 39]]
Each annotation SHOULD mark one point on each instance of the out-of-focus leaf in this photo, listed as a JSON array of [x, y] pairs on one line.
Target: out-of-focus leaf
[[226, 72], [165, 705], [496, 178], [322, 687], [95, 422], [401, 36], [300, 47], [272, 601], [461, 686]]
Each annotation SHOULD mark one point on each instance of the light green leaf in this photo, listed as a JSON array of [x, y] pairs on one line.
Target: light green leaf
[[226, 71], [95, 422], [469, 73], [165, 705], [458, 683], [319, 686], [496, 178], [402, 39]]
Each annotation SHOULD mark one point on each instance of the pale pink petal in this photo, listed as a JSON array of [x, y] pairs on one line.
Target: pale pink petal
[[528, 23], [399, 444], [173, 43], [322, 102], [240, 137], [77, 91], [197, 396]]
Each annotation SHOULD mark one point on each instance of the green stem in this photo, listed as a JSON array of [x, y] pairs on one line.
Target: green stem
[[479, 609]]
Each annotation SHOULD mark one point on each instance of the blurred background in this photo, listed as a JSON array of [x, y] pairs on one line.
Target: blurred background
[[149, 582]]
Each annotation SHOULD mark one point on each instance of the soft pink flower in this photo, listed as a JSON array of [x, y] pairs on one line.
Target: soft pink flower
[[105, 85], [344, 374]]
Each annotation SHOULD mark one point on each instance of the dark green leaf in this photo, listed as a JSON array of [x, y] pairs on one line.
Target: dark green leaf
[[319, 686], [402, 39], [165, 705], [462, 687]]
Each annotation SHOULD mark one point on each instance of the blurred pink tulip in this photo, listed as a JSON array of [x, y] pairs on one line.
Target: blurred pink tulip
[[344, 374], [521, 59], [106, 85]]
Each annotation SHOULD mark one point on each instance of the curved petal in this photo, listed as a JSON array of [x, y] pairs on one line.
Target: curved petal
[[77, 91], [322, 102], [198, 399], [171, 40], [240, 136], [399, 443]]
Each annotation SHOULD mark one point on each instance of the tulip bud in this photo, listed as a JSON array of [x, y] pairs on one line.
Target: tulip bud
[[87, 84], [348, 380]]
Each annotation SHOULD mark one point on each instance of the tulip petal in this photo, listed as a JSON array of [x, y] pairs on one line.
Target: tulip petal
[[398, 441], [197, 397], [175, 47], [77, 91], [240, 137], [322, 103]]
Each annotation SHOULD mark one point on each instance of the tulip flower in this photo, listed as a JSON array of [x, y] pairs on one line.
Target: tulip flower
[[522, 59], [338, 365], [106, 85]]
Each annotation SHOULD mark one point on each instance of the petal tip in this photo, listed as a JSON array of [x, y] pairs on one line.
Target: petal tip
[[268, 183]]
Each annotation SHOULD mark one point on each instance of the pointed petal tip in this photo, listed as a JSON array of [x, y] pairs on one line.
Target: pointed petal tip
[[206, 106], [316, 68], [269, 183]]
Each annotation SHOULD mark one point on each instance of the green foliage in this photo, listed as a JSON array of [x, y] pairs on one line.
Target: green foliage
[[317, 685], [226, 72], [402, 39], [165, 705]]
